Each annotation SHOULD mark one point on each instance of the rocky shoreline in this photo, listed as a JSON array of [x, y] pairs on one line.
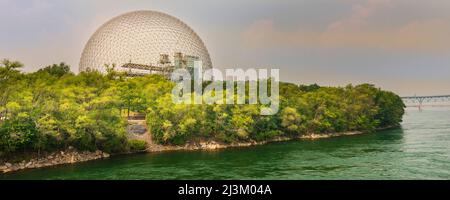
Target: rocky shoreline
[[214, 145], [71, 155], [68, 156]]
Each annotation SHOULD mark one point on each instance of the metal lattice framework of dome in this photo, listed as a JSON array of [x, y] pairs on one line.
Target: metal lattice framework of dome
[[141, 37]]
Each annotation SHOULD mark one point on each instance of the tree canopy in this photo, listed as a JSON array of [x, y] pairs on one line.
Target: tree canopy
[[53, 108]]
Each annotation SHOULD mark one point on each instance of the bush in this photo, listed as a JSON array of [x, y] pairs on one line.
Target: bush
[[17, 134], [137, 145]]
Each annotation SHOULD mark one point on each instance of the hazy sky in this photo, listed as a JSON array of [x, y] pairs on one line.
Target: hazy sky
[[399, 45]]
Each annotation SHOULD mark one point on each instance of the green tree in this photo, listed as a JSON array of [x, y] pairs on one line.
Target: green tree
[[57, 70], [9, 69], [291, 120]]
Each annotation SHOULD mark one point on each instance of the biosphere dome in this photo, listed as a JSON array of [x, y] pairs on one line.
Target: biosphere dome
[[144, 38]]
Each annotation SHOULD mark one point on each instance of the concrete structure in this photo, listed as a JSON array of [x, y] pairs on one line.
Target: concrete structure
[[143, 42]]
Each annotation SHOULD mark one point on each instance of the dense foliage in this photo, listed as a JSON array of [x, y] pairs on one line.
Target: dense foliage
[[303, 110], [54, 108]]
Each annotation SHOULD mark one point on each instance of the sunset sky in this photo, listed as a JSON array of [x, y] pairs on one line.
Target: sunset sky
[[399, 45]]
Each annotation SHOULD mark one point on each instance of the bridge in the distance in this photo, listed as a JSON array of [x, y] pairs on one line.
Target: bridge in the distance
[[418, 101]]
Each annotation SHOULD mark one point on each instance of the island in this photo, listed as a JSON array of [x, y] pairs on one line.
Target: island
[[53, 116]]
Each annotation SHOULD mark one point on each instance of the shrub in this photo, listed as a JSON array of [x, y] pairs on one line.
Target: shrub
[[137, 145]]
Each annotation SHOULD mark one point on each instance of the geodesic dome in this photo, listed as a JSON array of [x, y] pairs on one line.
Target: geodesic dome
[[141, 37]]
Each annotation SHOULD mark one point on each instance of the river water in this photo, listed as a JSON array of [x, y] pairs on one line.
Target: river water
[[418, 150]]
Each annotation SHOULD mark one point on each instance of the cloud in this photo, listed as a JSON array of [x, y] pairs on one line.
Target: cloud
[[430, 36], [24, 10], [359, 14]]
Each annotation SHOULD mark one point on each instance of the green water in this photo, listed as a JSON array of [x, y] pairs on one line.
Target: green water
[[419, 150]]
